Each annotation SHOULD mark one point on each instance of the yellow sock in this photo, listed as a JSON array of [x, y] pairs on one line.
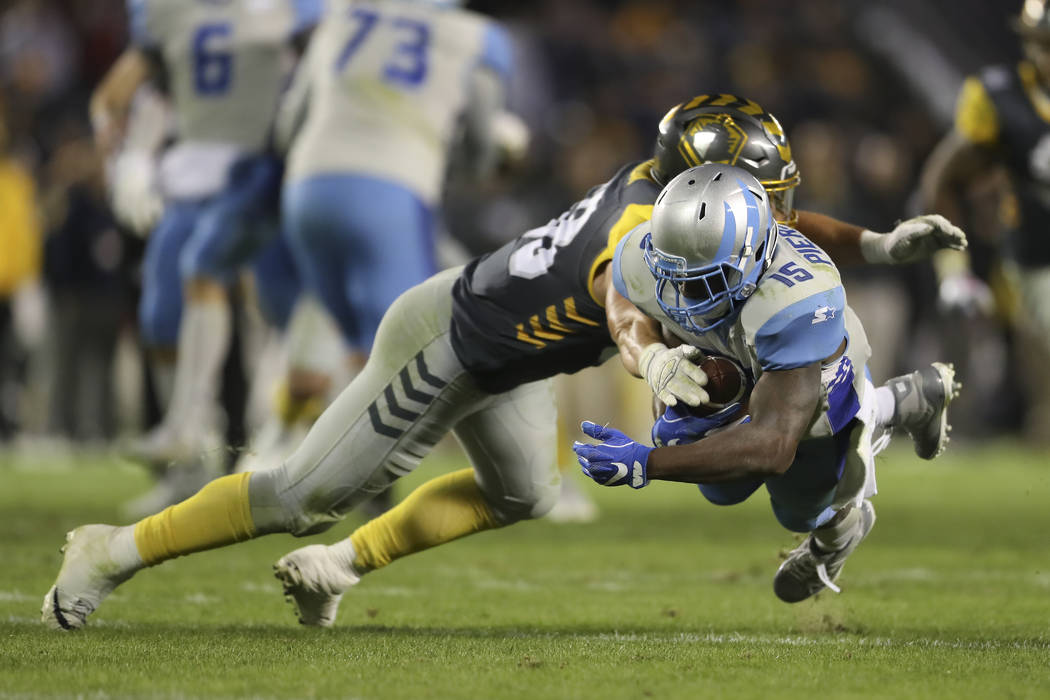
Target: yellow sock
[[441, 510], [291, 409], [215, 516], [286, 408]]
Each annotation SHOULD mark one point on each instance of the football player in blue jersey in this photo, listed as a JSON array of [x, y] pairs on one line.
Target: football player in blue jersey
[[384, 94], [1002, 118], [223, 66], [721, 275], [472, 351]]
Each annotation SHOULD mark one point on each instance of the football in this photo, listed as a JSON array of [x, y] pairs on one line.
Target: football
[[726, 383]]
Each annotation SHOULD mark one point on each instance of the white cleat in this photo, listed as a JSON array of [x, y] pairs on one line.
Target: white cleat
[[87, 576], [574, 505], [807, 570], [922, 400], [314, 581]]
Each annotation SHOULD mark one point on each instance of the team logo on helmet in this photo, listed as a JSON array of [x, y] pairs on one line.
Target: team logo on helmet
[[698, 139]]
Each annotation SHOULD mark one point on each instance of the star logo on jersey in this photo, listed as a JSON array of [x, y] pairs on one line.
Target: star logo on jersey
[[824, 313]]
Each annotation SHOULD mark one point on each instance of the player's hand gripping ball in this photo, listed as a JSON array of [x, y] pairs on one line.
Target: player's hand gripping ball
[[682, 424], [726, 384]]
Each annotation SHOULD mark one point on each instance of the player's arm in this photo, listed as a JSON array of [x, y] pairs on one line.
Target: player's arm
[[480, 144], [111, 100], [965, 154], [782, 407], [910, 241], [670, 372], [630, 329]]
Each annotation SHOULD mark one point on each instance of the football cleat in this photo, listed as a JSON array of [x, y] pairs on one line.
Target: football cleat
[[87, 576], [314, 582], [808, 570], [921, 406]]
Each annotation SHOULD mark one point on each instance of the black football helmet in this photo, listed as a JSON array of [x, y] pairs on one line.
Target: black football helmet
[[735, 131]]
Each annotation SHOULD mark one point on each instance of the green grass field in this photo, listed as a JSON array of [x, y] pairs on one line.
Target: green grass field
[[664, 597]]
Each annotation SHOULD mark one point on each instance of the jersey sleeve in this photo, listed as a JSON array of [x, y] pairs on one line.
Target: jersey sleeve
[[497, 50], [141, 33], [809, 330], [307, 13], [975, 116], [630, 275], [638, 198]]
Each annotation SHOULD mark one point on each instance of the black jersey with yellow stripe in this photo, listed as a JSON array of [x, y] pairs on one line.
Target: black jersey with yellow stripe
[[529, 310], [1007, 109]]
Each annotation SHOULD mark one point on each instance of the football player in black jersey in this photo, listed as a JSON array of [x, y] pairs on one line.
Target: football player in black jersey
[[1002, 119], [471, 351]]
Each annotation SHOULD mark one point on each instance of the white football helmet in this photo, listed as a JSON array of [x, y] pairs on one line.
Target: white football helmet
[[712, 237]]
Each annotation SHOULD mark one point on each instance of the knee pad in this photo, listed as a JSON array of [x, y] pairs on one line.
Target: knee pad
[[797, 521], [729, 493], [277, 508], [510, 509]]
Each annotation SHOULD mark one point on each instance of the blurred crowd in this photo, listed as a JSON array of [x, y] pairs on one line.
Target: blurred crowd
[[592, 81]]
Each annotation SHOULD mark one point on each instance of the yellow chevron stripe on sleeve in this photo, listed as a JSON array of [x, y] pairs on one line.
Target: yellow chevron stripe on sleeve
[[539, 332], [554, 322], [573, 315], [526, 338]]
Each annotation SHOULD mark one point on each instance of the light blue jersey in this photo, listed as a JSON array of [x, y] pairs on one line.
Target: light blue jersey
[[381, 88], [796, 316], [226, 61]]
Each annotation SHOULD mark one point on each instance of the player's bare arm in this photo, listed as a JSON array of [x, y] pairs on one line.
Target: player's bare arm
[[629, 327], [782, 408], [670, 372], [953, 165], [111, 101], [910, 241]]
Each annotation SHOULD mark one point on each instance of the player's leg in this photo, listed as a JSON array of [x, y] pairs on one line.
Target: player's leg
[[227, 235], [359, 242], [407, 398], [510, 440], [918, 402], [824, 493], [160, 311], [312, 353]]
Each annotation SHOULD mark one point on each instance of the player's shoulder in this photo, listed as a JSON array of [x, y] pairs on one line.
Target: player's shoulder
[[634, 183], [796, 314]]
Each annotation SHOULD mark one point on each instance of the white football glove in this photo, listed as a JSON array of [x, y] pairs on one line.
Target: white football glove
[[134, 196], [672, 374], [965, 294], [912, 240], [511, 135]]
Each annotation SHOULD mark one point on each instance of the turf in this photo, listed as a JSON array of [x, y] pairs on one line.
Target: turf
[[665, 596]]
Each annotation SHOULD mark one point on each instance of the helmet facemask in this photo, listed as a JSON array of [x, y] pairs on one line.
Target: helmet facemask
[[706, 266]]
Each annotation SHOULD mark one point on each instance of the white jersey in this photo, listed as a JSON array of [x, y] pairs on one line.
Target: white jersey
[[796, 316], [225, 61], [381, 88]]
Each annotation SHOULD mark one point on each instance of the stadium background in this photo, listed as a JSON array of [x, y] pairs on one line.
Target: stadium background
[[663, 596], [863, 89]]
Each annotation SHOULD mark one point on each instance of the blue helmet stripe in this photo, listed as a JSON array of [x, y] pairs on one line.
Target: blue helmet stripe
[[725, 247], [753, 215]]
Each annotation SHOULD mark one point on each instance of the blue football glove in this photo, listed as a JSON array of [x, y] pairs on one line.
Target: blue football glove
[[677, 426], [616, 460]]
